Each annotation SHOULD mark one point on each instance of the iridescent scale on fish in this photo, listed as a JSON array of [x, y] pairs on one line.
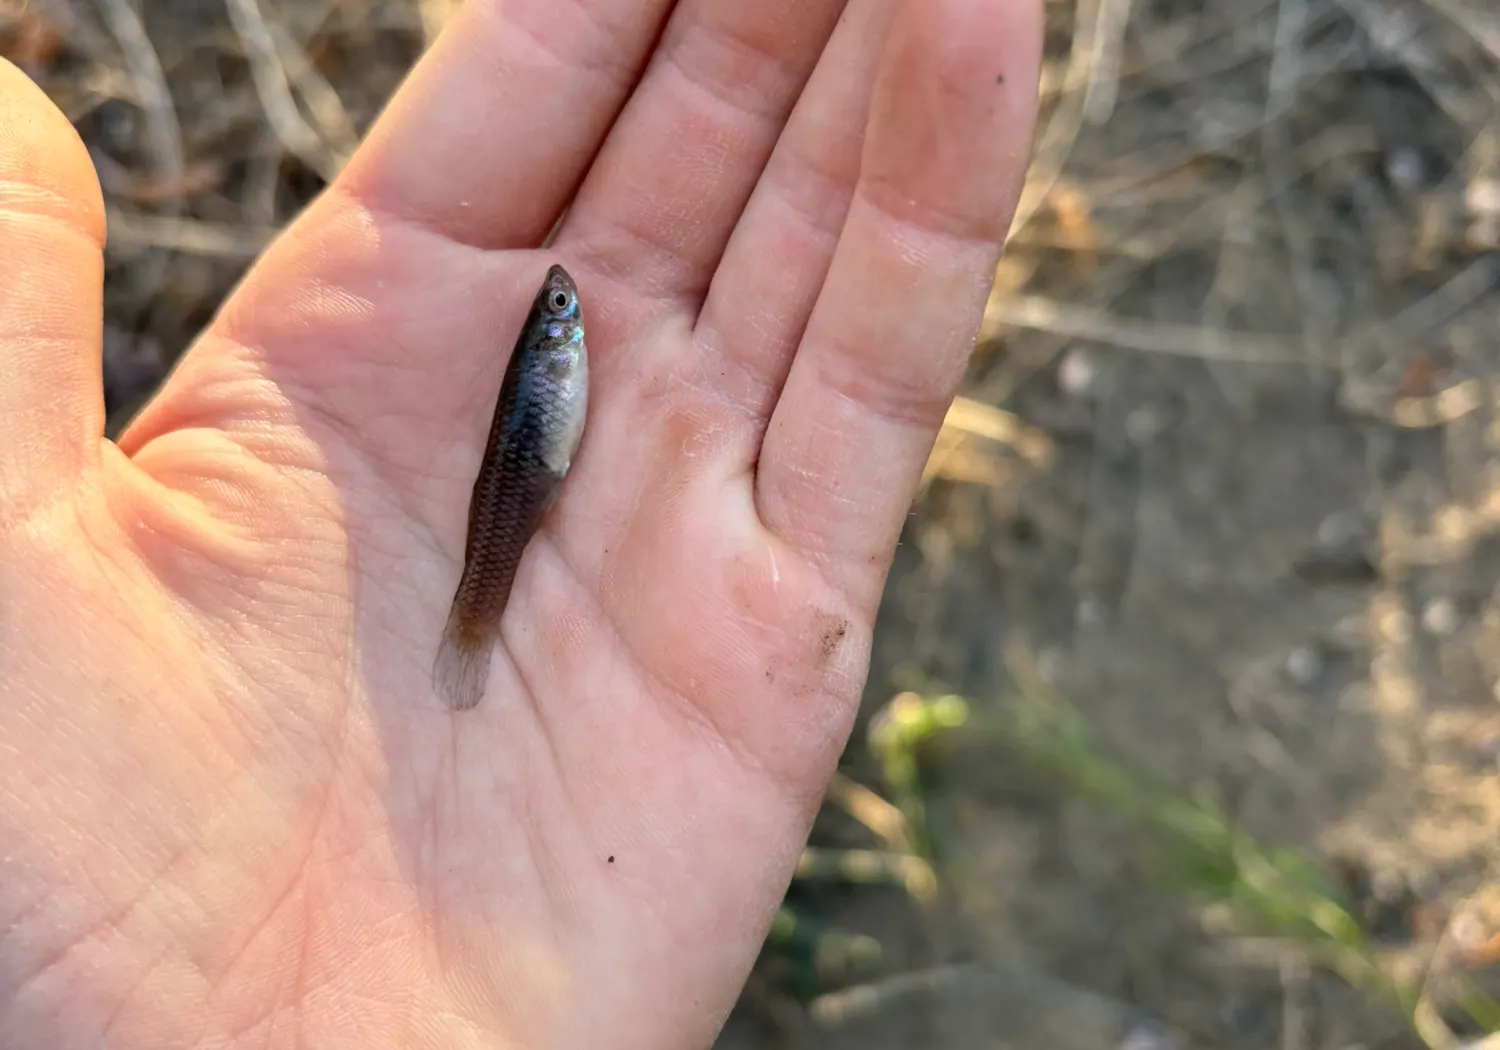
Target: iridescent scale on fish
[[534, 434]]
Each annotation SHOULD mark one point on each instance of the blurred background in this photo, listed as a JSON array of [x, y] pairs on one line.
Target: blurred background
[[1182, 725]]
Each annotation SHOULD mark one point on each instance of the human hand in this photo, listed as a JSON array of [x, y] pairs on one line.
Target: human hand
[[232, 808]]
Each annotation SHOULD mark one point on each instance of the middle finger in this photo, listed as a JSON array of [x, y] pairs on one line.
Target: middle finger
[[657, 208]]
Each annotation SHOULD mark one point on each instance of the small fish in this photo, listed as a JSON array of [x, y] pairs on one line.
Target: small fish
[[535, 432]]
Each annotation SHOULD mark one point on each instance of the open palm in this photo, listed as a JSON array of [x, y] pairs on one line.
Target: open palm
[[232, 807]]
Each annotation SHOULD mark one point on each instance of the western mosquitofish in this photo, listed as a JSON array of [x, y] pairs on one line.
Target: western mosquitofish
[[537, 425]]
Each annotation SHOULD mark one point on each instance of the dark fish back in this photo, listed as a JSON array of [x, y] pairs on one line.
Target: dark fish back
[[533, 433], [512, 494]]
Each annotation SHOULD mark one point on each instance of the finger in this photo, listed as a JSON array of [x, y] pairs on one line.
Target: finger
[[52, 273], [887, 343], [756, 310], [661, 199], [488, 137], [375, 308]]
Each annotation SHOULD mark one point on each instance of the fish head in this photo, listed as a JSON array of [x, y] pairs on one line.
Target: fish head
[[557, 299], [558, 328]]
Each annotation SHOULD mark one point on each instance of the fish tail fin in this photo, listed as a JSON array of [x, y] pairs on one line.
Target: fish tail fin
[[462, 667]]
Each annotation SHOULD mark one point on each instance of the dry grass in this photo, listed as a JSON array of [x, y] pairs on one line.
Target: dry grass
[[211, 124]]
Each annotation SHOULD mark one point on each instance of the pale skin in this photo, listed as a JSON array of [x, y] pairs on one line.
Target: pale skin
[[233, 811]]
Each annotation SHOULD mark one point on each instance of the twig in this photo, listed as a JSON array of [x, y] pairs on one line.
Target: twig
[[1293, 971], [1395, 32], [1079, 322], [978, 419], [271, 85], [1440, 306], [435, 15], [1152, 242], [262, 179], [163, 132], [1104, 76], [1485, 34], [187, 235], [1008, 1000], [874, 812], [120, 182], [1428, 314], [1055, 144], [1283, 86], [910, 872], [336, 129]]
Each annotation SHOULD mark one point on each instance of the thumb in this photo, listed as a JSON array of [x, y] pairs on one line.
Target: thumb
[[51, 306]]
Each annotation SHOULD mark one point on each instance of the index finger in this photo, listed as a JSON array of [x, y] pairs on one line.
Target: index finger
[[487, 139]]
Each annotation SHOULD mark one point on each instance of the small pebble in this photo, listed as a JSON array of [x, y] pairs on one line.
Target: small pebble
[[1394, 625], [1405, 168], [1089, 612], [1488, 743], [1142, 1037], [1143, 425], [1339, 528], [1050, 662], [1468, 932], [117, 126], [1388, 885], [1076, 373], [1392, 31], [1440, 617], [1482, 198], [1304, 664]]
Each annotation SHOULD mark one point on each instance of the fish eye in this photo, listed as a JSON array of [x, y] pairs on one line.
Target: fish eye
[[559, 300]]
